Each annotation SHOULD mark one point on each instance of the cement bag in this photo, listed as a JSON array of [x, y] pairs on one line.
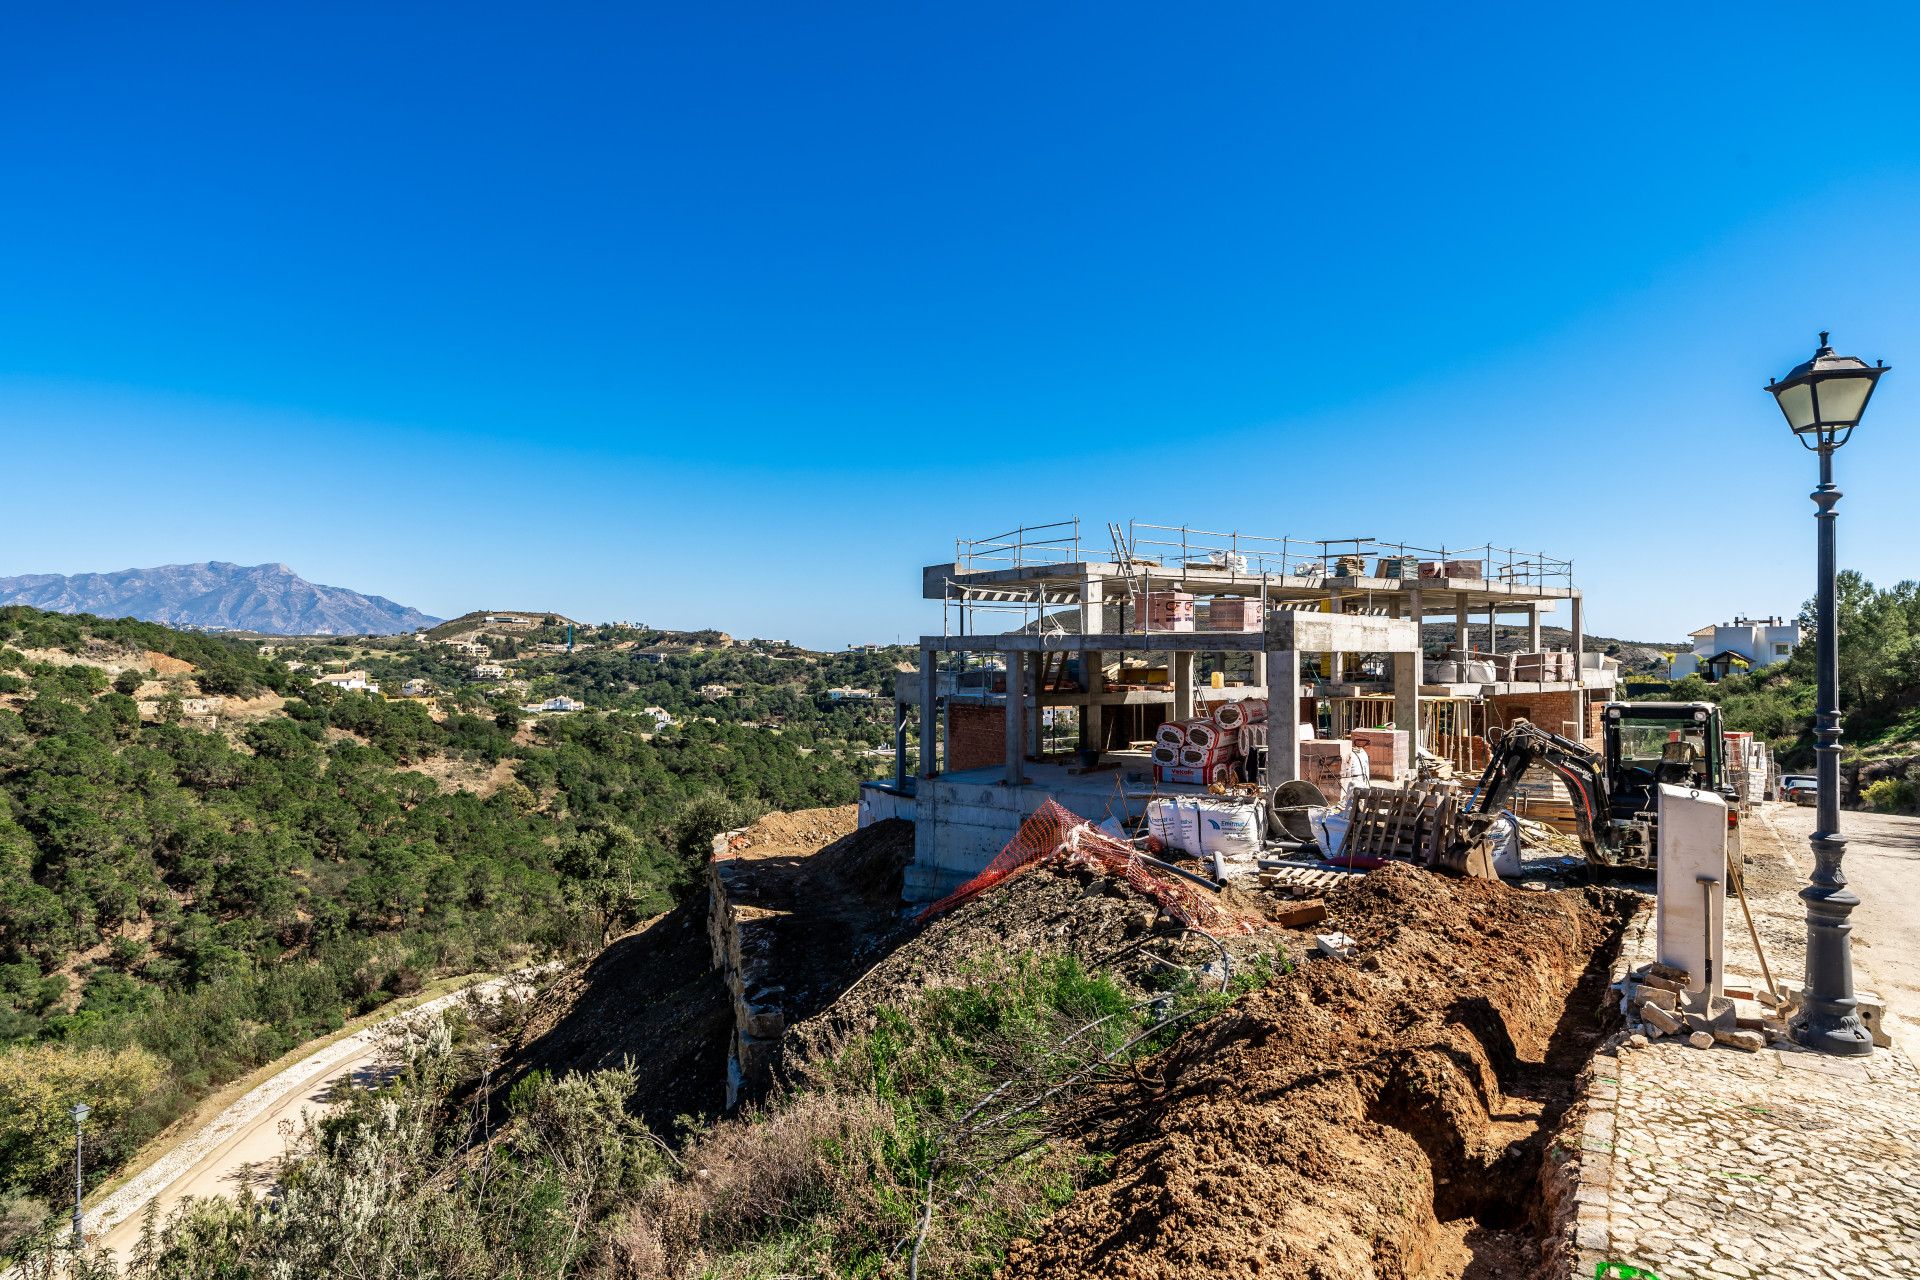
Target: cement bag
[[1163, 822], [1503, 842], [1329, 829], [1233, 831]]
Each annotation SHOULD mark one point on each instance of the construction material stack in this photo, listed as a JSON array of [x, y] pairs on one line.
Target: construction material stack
[[1208, 749]]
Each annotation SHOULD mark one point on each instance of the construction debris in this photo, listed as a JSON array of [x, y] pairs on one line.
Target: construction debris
[[1656, 1001]]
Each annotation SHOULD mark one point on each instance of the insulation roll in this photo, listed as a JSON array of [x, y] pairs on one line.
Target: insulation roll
[[1230, 715], [1166, 753], [1203, 733], [1195, 757], [1256, 709], [1173, 732]]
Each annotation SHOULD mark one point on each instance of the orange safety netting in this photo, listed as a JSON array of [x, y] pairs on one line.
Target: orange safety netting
[[1053, 833]]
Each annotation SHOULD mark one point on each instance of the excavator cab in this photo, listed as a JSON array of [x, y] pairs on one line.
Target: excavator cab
[[1650, 743]]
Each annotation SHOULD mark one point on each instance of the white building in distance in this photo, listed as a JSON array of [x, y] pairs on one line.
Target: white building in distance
[[1743, 644]]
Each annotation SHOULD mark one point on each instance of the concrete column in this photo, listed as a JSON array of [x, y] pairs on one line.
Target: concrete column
[[1182, 663], [899, 745], [1533, 628], [1093, 608], [1417, 610], [1336, 660], [929, 713], [1579, 640], [1283, 716], [1260, 668], [1462, 642], [1093, 720], [1016, 718], [1493, 628], [1406, 694]]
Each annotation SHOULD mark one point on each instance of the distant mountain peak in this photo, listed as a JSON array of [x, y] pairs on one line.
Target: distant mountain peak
[[217, 595]]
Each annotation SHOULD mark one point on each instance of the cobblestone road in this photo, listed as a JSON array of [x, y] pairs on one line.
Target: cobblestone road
[[1718, 1164]]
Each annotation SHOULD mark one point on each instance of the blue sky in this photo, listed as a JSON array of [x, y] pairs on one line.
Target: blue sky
[[735, 315]]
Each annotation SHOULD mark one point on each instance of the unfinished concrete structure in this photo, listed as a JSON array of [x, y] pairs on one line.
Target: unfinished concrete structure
[[1058, 657]]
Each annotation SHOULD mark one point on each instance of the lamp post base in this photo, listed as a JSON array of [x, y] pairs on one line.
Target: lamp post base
[[1827, 1020]]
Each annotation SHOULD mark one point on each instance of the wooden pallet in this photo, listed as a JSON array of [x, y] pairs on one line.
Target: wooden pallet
[[1305, 879], [1407, 824]]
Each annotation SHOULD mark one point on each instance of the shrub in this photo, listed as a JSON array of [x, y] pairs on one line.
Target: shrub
[[1891, 795]]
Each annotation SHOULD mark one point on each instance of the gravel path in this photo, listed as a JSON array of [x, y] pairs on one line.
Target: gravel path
[[219, 1157]]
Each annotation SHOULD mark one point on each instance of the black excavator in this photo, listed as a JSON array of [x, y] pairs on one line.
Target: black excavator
[[1614, 791]]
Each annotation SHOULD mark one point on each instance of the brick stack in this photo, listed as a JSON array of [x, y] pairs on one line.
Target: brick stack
[[1389, 753]]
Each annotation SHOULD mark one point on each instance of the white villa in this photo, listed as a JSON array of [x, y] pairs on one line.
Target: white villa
[[1741, 645]]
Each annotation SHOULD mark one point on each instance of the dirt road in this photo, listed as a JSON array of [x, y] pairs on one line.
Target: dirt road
[[242, 1141], [1883, 870]]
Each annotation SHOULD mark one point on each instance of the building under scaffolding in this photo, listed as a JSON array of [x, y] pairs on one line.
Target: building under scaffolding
[[1059, 657]]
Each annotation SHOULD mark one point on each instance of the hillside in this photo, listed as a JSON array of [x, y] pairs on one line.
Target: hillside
[[217, 596], [204, 859]]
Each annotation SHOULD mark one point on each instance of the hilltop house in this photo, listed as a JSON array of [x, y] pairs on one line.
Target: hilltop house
[[489, 671], [850, 695], [715, 691], [356, 680], [660, 715], [560, 703], [415, 689], [1743, 644]]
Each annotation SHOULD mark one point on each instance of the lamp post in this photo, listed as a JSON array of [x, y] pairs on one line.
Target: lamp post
[[80, 1112], [1823, 400]]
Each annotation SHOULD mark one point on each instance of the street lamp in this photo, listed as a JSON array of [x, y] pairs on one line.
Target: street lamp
[[1823, 400], [80, 1112]]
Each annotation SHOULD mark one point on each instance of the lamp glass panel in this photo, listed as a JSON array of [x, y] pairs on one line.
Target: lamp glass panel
[[1841, 399], [1797, 403]]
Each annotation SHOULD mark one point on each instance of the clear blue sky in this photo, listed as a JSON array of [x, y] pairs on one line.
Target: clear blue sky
[[736, 315]]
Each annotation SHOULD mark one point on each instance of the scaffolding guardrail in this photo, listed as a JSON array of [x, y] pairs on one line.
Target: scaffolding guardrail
[[1154, 553]]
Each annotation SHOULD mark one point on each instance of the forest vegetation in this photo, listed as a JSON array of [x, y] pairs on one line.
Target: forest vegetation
[[184, 899]]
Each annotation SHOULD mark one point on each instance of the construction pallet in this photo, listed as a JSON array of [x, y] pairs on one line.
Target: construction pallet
[[1305, 878], [1408, 824]]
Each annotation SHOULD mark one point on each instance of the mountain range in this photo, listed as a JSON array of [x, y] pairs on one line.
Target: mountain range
[[217, 596]]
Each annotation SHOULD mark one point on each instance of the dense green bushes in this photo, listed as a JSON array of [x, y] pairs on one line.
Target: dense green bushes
[[216, 902]]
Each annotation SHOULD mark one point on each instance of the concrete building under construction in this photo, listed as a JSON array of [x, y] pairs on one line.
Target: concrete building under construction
[[1061, 655]]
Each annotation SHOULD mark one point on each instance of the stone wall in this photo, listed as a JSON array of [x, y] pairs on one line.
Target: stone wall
[[742, 948]]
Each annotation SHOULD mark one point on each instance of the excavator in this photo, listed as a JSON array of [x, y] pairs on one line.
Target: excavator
[[1614, 791]]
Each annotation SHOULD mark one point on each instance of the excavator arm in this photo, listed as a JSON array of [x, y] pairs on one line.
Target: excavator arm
[[1522, 746]]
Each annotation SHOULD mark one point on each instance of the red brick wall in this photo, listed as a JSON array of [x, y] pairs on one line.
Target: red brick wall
[[976, 737], [1551, 711]]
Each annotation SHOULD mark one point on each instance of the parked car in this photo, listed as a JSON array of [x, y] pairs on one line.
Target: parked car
[[1800, 788]]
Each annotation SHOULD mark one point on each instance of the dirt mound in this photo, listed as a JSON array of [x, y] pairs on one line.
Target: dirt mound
[[651, 996], [1101, 920], [1383, 1117]]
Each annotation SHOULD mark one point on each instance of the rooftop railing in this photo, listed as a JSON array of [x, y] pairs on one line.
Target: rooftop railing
[[1165, 546]]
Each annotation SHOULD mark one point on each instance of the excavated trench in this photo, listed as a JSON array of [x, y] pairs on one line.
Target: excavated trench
[[1392, 1117]]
